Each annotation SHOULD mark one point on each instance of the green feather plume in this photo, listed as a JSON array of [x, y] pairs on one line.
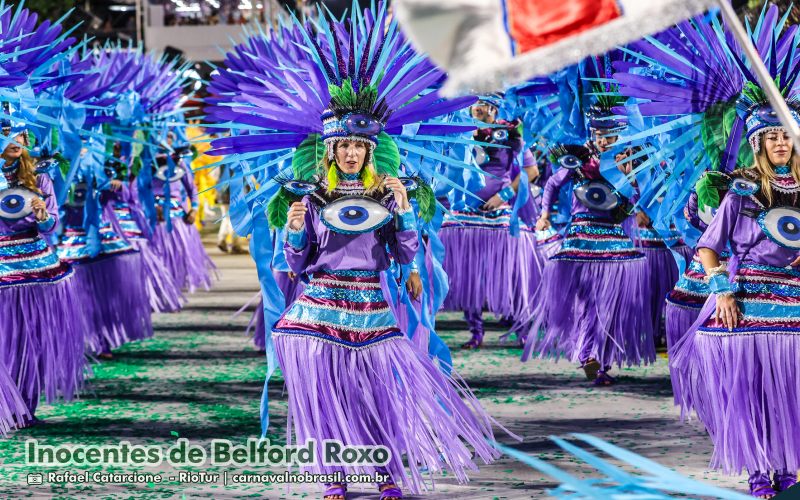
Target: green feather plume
[[278, 208], [307, 158], [708, 189], [426, 200], [387, 156]]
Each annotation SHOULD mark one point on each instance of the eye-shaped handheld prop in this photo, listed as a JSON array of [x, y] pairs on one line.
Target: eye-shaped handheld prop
[[782, 225], [570, 162], [597, 195], [355, 215], [299, 188], [480, 155], [500, 135], [177, 173], [409, 183], [15, 203], [706, 215], [743, 187]]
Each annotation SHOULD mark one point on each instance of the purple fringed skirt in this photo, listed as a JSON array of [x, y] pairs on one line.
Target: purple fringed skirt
[[42, 324], [165, 294], [13, 409], [593, 302], [352, 375], [745, 384], [662, 269], [114, 291], [183, 254], [488, 268]]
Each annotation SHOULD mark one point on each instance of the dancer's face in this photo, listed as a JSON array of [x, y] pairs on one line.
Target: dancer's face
[[483, 111], [350, 156], [778, 146], [603, 142], [14, 149]]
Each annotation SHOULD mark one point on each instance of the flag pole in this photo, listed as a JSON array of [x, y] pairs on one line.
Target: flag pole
[[761, 72]]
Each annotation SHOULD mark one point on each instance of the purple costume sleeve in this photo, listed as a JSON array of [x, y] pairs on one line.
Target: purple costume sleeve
[[188, 184], [553, 186], [298, 258], [402, 241], [45, 185], [528, 159], [720, 231]]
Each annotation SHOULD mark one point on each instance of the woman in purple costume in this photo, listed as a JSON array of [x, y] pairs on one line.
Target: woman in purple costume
[[110, 278], [129, 221], [41, 324], [351, 374], [593, 302], [738, 365], [488, 268], [179, 245]]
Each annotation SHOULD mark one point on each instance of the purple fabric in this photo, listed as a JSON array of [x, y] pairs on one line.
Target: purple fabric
[[114, 291], [593, 309], [662, 274], [500, 165], [181, 189], [745, 388], [183, 255], [390, 394], [326, 249], [42, 330], [164, 293], [45, 185], [747, 240], [12, 407], [490, 269]]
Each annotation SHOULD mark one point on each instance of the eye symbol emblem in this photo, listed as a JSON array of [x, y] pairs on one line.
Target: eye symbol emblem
[[300, 188], [570, 161], [177, 173], [743, 187], [782, 225], [597, 196], [500, 135], [15, 203], [361, 124], [409, 183], [355, 215], [767, 115]]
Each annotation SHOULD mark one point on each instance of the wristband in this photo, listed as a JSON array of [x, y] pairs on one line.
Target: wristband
[[506, 193], [47, 224], [720, 284], [297, 239], [715, 271], [406, 220]]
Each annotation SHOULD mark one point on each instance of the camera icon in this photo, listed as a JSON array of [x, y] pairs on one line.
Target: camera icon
[[35, 479]]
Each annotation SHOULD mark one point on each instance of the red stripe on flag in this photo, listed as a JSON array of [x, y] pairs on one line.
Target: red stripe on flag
[[535, 23]]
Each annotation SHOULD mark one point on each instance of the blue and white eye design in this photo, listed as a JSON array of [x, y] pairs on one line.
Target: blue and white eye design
[[300, 188], [15, 203], [361, 124], [743, 187], [46, 165], [481, 156], [409, 183], [782, 225], [355, 215], [706, 215], [500, 135], [767, 114], [177, 173], [77, 197], [597, 195], [570, 162]]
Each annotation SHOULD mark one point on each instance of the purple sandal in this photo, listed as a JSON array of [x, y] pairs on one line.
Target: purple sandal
[[784, 480], [392, 492], [761, 486], [604, 379], [333, 490], [474, 343]]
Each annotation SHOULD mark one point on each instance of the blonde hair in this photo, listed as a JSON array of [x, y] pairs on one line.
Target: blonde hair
[[26, 172], [369, 176], [765, 170]]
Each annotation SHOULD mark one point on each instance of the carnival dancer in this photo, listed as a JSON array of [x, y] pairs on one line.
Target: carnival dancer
[[593, 302], [351, 374], [43, 323], [129, 221], [177, 241], [738, 366], [110, 279], [488, 267]]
